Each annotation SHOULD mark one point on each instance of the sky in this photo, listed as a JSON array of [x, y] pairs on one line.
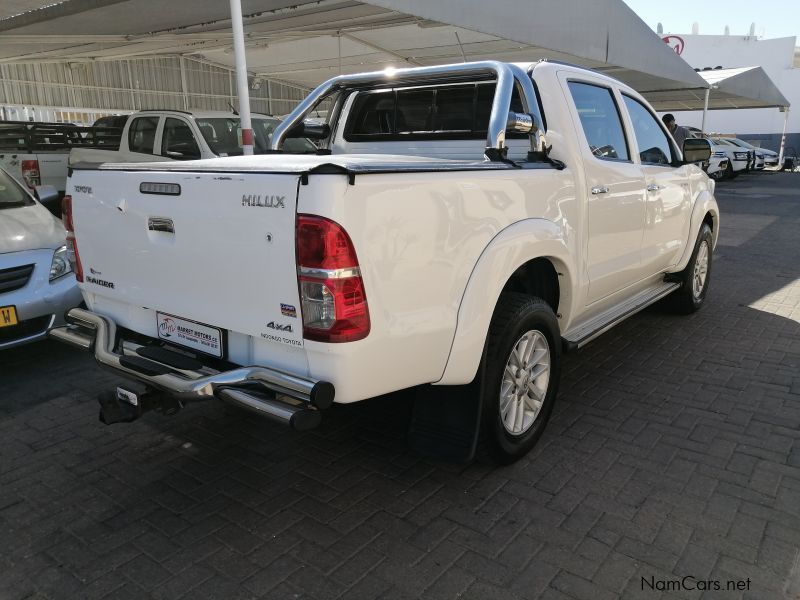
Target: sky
[[776, 18]]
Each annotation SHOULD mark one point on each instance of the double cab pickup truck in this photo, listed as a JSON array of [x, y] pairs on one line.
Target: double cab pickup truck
[[459, 228]]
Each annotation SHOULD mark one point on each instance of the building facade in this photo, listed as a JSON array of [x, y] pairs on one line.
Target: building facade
[[779, 58]]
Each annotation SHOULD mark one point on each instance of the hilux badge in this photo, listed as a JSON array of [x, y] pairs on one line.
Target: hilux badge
[[263, 201]]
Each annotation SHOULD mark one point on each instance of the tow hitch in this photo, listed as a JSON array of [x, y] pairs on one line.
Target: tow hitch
[[125, 406]]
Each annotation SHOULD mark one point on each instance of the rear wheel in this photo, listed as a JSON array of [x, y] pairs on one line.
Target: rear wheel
[[523, 365], [729, 172]]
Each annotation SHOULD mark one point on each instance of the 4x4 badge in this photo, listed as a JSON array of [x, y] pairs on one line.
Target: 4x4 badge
[[279, 327]]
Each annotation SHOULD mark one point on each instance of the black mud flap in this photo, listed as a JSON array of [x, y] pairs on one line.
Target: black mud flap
[[446, 421]]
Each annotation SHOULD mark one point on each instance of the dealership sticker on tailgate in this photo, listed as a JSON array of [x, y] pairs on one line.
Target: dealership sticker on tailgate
[[190, 334]]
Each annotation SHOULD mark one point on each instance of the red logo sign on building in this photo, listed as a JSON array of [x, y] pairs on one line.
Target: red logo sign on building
[[675, 42]]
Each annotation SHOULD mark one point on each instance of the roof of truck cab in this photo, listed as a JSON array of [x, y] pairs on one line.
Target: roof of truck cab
[[555, 65], [203, 114]]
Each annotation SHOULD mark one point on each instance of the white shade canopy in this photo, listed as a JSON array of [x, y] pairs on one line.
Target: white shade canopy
[[746, 87], [306, 42]]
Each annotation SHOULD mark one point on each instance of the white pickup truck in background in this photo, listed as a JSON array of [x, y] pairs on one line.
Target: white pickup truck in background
[[458, 229], [159, 135], [37, 154]]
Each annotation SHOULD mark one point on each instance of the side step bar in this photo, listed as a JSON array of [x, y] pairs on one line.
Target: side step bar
[[282, 396], [593, 328]]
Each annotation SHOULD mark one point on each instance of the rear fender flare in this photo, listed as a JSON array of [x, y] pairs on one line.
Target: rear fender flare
[[510, 249], [704, 204]]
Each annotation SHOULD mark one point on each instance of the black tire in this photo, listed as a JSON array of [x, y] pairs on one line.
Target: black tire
[[729, 172], [719, 175], [515, 316], [686, 300]]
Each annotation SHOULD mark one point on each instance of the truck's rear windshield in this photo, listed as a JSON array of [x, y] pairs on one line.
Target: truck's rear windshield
[[222, 136], [11, 194], [459, 111]]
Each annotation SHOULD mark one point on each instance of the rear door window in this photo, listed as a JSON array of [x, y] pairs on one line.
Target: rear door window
[[142, 134], [600, 120], [654, 147]]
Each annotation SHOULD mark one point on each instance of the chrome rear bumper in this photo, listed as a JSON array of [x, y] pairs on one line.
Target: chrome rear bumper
[[267, 391]]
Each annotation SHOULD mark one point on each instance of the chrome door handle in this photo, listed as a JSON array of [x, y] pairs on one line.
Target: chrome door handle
[[600, 189], [654, 187]]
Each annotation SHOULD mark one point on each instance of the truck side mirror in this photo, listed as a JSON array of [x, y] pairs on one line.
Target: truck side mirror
[[49, 197], [311, 130], [696, 150], [46, 194]]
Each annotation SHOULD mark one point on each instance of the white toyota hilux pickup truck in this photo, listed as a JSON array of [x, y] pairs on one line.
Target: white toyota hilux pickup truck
[[460, 227]]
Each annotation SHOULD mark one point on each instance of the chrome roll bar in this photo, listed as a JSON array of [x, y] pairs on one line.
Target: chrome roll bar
[[501, 119]]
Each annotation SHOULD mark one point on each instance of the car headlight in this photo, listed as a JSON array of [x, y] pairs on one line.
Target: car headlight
[[60, 265], [741, 155], [719, 154]]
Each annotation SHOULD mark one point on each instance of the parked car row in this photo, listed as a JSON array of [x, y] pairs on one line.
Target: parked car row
[[40, 153], [166, 135], [732, 156]]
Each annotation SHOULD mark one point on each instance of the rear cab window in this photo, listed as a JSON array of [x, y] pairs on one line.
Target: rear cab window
[[600, 119], [446, 112]]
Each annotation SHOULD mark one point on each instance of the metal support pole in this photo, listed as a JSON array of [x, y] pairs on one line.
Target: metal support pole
[[241, 76], [130, 84], [705, 112], [183, 84], [783, 137]]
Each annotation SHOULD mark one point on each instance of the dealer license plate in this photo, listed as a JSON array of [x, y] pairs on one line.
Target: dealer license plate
[[8, 316], [190, 334]]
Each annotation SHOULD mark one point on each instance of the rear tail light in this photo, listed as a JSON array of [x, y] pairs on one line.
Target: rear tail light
[[30, 173], [334, 303], [72, 244]]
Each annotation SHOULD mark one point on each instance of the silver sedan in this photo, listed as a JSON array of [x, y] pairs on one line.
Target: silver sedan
[[36, 280]]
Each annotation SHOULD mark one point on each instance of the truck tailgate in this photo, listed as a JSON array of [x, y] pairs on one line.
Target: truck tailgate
[[221, 252]]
